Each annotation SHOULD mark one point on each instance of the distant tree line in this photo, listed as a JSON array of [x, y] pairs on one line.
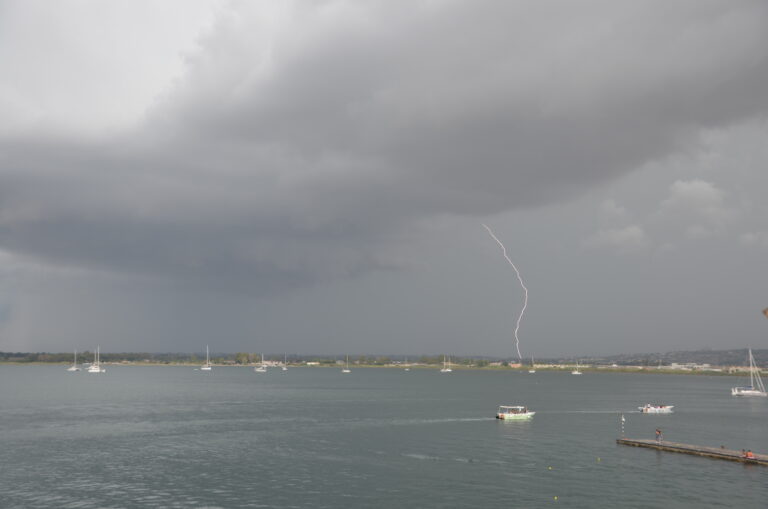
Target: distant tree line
[[240, 358], [735, 357]]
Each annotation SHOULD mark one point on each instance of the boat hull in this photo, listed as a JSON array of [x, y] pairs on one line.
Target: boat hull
[[515, 417], [745, 391]]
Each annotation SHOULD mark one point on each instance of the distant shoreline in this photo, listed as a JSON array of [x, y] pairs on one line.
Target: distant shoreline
[[643, 370]]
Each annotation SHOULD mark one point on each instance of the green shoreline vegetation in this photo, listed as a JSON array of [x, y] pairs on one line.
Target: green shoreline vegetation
[[363, 361]]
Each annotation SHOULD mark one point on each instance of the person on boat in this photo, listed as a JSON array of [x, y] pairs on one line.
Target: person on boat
[[659, 435], [749, 455]]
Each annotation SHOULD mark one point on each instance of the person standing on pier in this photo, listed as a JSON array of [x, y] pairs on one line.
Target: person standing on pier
[[659, 436]]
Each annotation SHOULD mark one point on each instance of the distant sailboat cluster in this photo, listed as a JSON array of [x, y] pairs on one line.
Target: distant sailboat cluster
[[94, 367], [261, 368]]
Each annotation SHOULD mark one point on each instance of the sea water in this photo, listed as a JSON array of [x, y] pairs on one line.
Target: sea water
[[313, 437]]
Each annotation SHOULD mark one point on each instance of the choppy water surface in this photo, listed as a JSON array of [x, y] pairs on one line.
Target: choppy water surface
[[312, 437]]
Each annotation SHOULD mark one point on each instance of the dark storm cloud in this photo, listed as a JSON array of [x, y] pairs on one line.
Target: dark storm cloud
[[303, 155]]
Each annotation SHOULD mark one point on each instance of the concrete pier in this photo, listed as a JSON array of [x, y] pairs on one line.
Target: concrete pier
[[698, 450]]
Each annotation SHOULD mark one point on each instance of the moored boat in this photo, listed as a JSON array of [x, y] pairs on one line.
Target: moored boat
[[755, 387], [207, 365], [261, 368]]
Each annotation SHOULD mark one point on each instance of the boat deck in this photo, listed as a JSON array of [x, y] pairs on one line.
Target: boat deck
[[698, 450]]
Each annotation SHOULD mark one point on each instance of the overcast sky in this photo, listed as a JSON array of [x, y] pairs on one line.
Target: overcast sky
[[312, 177]]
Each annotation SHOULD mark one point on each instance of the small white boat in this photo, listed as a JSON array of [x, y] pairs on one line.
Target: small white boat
[[533, 367], [346, 369], [207, 365], [513, 413], [407, 366], [74, 366], [262, 368], [446, 366], [649, 408], [576, 371], [284, 367], [755, 387], [95, 366]]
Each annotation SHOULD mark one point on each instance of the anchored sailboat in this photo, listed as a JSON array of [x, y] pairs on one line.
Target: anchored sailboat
[[207, 365], [74, 367], [262, 368], [576, 371], [346, 369], [446, 366], [95, 367], [755, 387]]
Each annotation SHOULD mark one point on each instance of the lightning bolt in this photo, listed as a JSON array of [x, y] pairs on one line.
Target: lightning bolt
[[525, 302]]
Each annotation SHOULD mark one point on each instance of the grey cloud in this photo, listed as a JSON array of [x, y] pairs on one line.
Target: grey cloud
[[276, 164]]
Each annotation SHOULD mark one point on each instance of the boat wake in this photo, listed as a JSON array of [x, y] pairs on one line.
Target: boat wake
[[589, 411]]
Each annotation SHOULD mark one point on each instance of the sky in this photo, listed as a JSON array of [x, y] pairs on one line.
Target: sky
[[313, 177]]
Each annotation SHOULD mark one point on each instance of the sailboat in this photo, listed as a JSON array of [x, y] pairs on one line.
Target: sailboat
[[95, 366], [533, 366], [207, 365], [74, 367], [346, 370], [407, 366], [262, 368], [576, 371], [446, 366], [285, 362], [755, 387]]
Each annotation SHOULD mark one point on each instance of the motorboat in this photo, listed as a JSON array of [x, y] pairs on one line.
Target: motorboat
[[513, 413], [650, 408]]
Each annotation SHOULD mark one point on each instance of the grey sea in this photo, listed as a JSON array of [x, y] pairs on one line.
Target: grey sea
[[312, 437]]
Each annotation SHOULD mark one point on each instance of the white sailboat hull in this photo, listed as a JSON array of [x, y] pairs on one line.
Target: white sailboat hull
[[515, 417], [747, 391]]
